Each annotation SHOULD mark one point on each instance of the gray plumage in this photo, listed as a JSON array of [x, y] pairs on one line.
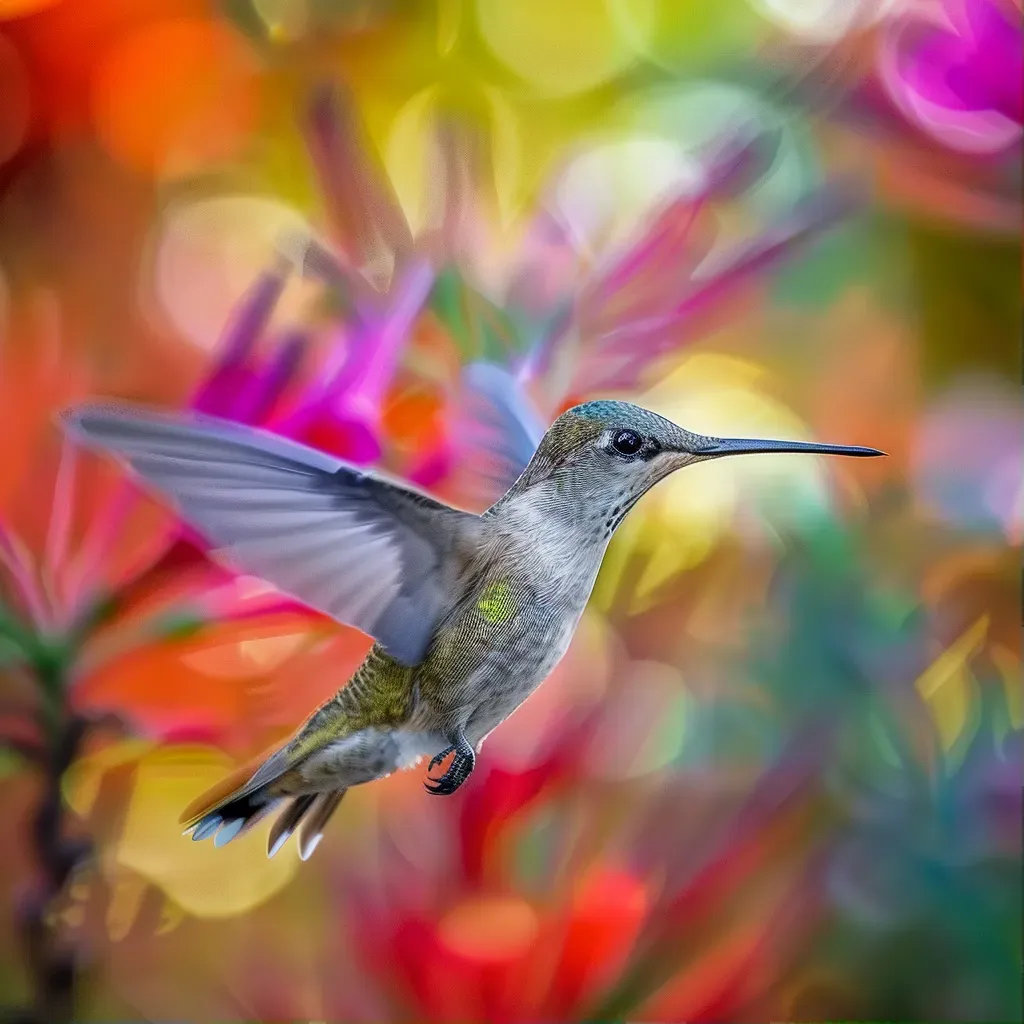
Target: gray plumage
[[469, 613]]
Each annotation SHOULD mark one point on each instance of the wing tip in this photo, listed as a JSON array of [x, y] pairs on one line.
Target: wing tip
[[74, 419], [104, 423], [85, 421]]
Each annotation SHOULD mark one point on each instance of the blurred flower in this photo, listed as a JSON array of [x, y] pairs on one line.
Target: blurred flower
[[668, 287], [160, 777], [945, 848], [958, 72], [622, 308], [155, 123], [930, 93], [144, 635], [824, 20], [92, 72], [968, 459], [509, 904]]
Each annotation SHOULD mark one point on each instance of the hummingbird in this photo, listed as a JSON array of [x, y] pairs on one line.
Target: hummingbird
[[468, 613]]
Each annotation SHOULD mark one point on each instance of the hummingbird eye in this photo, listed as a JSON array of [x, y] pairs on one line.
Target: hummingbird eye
[[627, 442]]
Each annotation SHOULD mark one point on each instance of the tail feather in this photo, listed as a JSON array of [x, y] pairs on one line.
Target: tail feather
[[287, 821], [220, 793], [237, 802], [232, 818], [312, 829], [233, 805]]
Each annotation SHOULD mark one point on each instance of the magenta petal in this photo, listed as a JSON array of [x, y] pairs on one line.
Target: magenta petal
[[189, 732], [924, 60], [338, 374], [230, 376], [218, 394], [258, 400], [645, 339], [343, 417], [978, 68], [349, 436], [998, 60], [430, 469], [371, 354], [980, 85]]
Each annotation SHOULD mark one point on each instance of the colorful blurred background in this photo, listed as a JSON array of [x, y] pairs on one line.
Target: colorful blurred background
[[778, 775]]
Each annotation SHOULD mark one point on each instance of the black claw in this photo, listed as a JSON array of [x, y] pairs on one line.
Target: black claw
[[458, 771], [438, 758], [451, 780]]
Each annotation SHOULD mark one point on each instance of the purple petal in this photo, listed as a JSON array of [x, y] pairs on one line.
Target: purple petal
[[230, 375], [383, 343], [265, 389], [645, 339], [998, 57], [343, 415], [975, 70], [739, 160], [538, 358]]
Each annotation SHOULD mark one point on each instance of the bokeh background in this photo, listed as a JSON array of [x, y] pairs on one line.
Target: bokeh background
[[778, 774]]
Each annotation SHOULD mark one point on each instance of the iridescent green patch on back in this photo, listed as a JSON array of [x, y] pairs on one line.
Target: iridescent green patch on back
[[497, 603]]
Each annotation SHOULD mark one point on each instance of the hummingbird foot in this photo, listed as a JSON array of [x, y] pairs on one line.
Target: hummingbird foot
[[458, 771], [438, 758]]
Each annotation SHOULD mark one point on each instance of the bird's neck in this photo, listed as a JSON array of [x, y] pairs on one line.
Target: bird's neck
[[556, 510], [560, 536]]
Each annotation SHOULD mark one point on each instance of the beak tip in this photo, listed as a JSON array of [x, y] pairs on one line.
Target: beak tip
[[744, 446]]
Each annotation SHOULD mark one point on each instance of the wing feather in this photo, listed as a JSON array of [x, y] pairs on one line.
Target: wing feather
[[499, 429], [368, 551]]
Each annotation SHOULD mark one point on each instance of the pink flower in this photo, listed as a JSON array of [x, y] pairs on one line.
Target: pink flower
[[958, 73]]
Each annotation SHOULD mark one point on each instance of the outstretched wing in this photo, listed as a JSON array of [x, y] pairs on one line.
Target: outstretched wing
[[499, 429], [367, 551]]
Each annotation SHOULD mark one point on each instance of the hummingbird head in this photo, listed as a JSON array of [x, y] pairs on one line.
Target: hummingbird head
[[610, 453]]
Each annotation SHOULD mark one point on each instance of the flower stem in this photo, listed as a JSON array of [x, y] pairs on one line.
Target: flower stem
[[51, 959]]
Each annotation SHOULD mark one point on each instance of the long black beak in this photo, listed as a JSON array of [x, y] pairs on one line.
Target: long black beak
[[746, 446]]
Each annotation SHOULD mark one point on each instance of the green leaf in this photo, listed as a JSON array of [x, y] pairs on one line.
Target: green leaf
[[180, 625], [11, 652], [866, 250], [50, 657], [97, 614], [11, 762], [13, 630], [480, 328]]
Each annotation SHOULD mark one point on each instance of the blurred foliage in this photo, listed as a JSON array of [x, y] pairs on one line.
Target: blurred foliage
[[967, 287]]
